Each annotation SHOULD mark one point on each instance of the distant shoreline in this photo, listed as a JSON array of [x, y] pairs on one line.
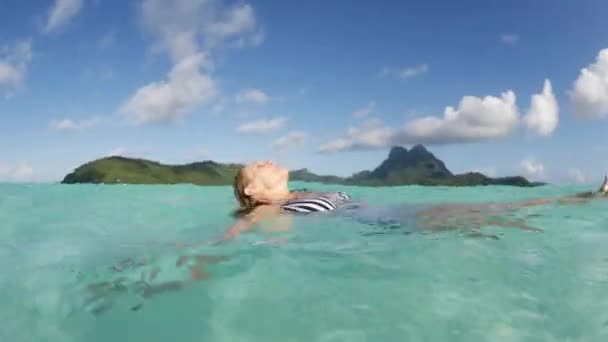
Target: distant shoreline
[[417, 166]]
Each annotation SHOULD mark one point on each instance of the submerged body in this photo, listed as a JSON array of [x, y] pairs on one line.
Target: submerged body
[[276, 216], [261, 190], [315, 202]]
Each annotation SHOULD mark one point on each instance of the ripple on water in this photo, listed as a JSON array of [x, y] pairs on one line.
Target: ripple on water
[[333, 279]]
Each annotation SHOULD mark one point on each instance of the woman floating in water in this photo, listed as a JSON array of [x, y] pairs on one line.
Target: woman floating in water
[[262, 191]]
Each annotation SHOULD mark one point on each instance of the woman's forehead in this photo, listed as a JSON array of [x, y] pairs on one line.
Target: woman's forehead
[[252, 166], [248, 171]]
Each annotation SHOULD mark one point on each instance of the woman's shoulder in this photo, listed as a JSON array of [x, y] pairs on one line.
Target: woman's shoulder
[[320, 194], [341, 195], [316, 201], [257, 212], [306, 191]]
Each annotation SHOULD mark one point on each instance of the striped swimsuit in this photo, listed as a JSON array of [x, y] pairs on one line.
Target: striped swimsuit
[[318, 201]]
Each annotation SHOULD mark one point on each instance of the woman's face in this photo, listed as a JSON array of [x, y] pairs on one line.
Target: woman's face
[[266, 175]]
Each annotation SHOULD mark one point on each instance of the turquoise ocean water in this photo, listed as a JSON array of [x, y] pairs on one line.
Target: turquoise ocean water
[[104, 263]]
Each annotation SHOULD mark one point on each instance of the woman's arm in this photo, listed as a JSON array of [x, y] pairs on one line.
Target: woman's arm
[[242, 224], [248, 221]]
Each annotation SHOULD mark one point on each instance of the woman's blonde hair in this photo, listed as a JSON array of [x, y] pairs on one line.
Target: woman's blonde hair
[[246, 202], [239, 189]]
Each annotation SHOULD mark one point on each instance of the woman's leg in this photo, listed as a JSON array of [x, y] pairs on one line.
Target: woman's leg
[[579, 198]]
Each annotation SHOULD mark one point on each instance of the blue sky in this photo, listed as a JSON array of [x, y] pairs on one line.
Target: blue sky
[[503, 87]]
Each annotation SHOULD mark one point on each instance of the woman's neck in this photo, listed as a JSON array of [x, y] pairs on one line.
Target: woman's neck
[[281, 194]]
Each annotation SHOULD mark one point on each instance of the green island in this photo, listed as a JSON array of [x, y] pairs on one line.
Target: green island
[[417, 166]]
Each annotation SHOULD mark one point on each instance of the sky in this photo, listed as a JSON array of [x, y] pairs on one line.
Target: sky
[[502, 87]]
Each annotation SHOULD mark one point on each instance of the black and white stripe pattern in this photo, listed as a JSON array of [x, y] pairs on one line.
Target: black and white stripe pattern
[[323, 202]]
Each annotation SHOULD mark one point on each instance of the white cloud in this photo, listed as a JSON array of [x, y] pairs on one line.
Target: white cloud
[[291, 140], [475, 119], [406, 72], [184, 27], [253, 40], [202, 154], [262, 126], [218, 108], [578, 176], [412, 72], [189, 31], [235, 21], [368, 135], [107, 40], [184, 90], [65, 125], [99, 72], [174, 25], [543, 115], [509, 38], [365, 111], [14, 61], [254, 96], [118, 151], [69, 125], [22, 172], [589, 95], [61, 13], [9, 74], [533, 168]]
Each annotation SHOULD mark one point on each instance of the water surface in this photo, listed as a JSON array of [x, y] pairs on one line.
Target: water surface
[[100, 263]]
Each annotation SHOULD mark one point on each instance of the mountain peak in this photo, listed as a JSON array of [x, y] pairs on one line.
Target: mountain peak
[[419, 148], [397, 152], [415, 163], [417, 151]]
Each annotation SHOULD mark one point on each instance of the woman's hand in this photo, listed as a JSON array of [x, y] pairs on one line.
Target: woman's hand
[[260, 213], [241, 225]]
